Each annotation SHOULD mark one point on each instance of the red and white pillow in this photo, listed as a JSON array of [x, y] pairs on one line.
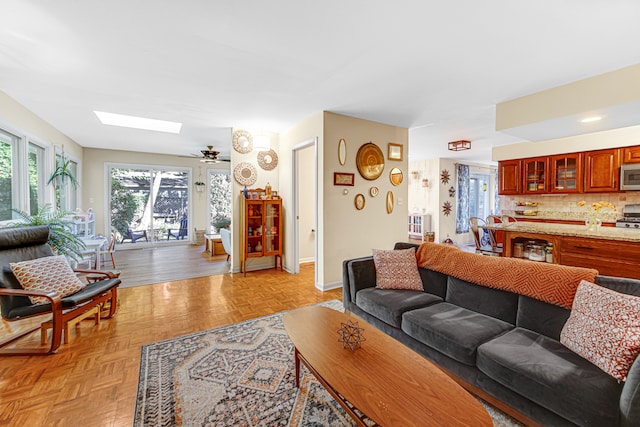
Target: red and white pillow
[[604, 328], [397, 269], [51, 274]]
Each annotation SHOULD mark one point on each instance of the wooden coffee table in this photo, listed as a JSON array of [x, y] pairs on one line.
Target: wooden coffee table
[[385, 380]]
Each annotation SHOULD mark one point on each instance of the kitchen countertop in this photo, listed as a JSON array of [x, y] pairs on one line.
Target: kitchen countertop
[[606, 233]]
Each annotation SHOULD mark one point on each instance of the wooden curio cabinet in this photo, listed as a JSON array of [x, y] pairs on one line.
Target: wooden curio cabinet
[[509, 177], [536, 172], [602, 170], [261, 229], [566, 173]]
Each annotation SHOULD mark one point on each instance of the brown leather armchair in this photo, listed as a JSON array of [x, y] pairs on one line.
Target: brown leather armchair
[[26, 243]]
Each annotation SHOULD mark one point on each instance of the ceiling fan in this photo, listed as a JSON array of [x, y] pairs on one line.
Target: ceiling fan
[[211, 156]]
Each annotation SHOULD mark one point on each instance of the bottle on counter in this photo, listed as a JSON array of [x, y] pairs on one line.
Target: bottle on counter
[[518, 250], [549, 252]]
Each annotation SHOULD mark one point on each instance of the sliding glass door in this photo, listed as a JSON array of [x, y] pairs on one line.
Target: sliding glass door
[[149, 205]]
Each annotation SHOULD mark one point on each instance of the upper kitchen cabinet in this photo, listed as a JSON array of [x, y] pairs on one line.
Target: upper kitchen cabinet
[[536, 173], [509, 178], [566, 173], [602, 170], [631, 154]]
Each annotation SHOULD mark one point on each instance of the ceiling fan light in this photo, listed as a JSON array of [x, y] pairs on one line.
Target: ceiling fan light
[[459, 145]]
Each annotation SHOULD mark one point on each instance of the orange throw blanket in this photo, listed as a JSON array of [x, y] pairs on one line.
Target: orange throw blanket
[[552, 283]]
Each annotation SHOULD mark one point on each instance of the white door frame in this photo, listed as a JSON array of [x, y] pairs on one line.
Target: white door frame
[[295, 223]]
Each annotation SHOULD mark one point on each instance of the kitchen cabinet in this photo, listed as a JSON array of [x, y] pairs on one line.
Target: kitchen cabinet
[[610, 258], [566, 173], [261, 230], [631, 154], [510, 177], [602, 170], [535, 175]]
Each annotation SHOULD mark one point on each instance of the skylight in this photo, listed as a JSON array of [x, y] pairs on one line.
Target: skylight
[[138, 122]]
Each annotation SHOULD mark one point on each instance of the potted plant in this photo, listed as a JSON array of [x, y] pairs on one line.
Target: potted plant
[[199, 186], [62, 173], [61, 239]]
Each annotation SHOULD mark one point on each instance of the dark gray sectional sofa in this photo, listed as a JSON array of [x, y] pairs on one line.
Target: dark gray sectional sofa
[[505, 344]]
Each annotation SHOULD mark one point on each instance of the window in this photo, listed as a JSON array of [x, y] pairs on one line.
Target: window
[[67, 193], [23, 172], [219, 199]]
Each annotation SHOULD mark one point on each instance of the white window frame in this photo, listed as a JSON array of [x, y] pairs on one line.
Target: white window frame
[[20, 169]]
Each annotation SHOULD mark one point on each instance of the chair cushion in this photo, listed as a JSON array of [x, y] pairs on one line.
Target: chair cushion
[[389, 304], [452, 330], [604, 328], [546, 372], [50, 274], [397, 269]]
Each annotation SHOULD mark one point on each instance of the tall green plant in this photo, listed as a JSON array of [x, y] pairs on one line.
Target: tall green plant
[[63, 173], [61, 239]]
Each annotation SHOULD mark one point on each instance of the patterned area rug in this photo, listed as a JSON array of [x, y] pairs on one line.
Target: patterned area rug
[[237, 375]]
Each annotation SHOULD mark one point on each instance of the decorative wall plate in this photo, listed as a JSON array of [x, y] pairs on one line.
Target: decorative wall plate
[[267, 160], [395, 176], [242, 141], [373, 191], [370, 161], [359, 201], [245, 173]]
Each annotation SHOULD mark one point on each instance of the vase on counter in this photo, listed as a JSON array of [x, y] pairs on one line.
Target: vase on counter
[[593, 223]]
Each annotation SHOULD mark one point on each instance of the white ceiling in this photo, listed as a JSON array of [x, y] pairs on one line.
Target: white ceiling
[[436, 67]]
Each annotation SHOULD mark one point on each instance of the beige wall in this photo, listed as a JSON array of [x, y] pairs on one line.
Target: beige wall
[[347, 232], [94, 182], [307, 130]]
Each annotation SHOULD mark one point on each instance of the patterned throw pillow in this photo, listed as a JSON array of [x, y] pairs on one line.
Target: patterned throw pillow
[[604, 328], [397, 269], [52, 274]]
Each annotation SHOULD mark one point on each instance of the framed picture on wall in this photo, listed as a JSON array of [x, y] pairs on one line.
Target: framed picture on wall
[[341, 178], [394, 151]]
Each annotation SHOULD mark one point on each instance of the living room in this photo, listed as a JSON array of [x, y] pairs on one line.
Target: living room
[[358, 87]]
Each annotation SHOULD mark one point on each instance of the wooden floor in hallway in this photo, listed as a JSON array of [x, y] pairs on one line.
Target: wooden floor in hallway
[[93, 379]]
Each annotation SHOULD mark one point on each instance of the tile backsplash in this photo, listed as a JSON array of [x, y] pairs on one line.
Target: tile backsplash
[[565, 207]]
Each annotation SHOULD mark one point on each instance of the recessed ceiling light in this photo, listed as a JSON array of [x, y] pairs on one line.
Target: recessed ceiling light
[[591, 119], [138, 122]]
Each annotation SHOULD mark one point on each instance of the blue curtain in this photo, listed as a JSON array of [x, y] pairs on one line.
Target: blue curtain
[[462, 208]]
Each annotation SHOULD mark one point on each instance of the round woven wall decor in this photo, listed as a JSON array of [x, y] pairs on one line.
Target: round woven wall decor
[[245, 173], [242, 141], [267, 160]]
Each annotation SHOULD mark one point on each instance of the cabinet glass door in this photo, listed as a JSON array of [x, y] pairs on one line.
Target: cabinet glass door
[[567, 173], [535, 175], [272, 227], [254, 228]]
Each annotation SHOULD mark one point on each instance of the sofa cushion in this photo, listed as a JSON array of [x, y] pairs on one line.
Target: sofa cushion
[[502, 305], [604, 328], [541, 317], [434, 282], [544, 371], [452, 330], [397, 269], [49, 274], [389, 304]]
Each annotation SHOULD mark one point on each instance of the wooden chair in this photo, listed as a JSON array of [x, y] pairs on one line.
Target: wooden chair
[[27, 243], [497, 236], [181, 233], [482, 247], [134, 235], [111, 251]]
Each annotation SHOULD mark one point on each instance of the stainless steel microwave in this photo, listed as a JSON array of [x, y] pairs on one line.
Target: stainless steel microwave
[[630, 177]]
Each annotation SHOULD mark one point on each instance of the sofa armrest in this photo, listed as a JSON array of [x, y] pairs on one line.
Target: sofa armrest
[[630, 397], [358, 274]]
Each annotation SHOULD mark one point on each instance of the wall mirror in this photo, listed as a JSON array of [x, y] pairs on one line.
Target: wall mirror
[[395, 176], [342, 151], [242, 141]]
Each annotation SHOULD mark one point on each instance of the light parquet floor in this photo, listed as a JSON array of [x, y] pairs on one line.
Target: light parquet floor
[[93, 379]]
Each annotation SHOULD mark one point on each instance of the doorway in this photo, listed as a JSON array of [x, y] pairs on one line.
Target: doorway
[[305, 196]]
